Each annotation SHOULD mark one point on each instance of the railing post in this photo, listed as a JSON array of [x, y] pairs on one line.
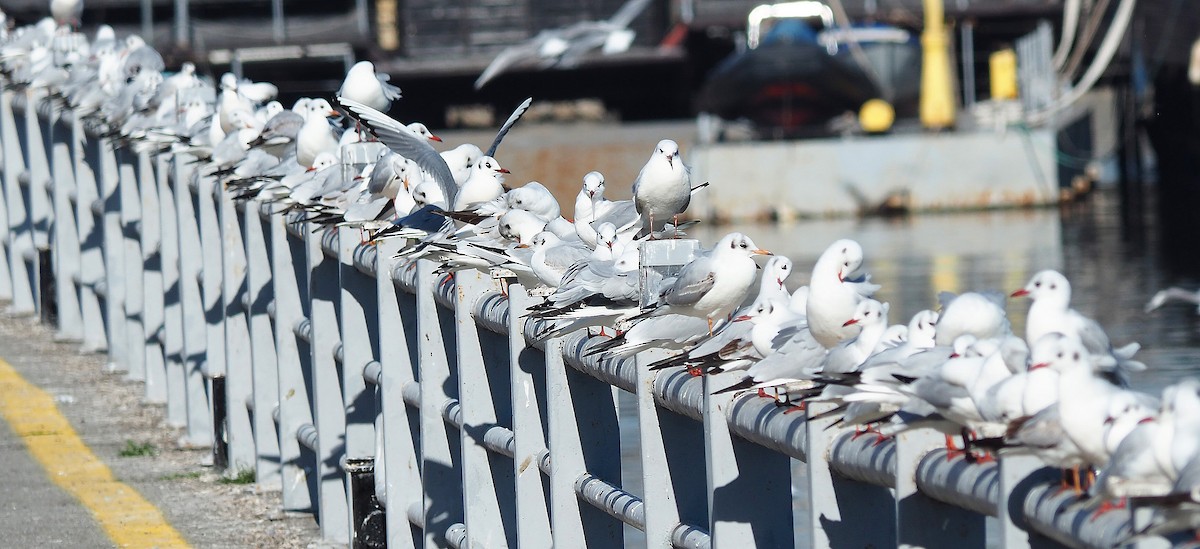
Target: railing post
[[483, 392], [152, 280], [212, 252], [90, 236], [584, 437], [529, 406], [195, 340], [65, 235], [750, 488], [21, 249], [441, 463], [171, 342], [259, 296], [401, 425], [111, 193], [239, 365], [6, 160], [922, 521], [131, 218], [41, 213], [673, 477], [1017, 475], [290, 286], [838, 502], [359, 328], [329, 413]]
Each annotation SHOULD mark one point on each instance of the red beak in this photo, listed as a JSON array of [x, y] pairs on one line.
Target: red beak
[[1038, 365], [1020, 293], [742, 318], [311, 170], [435, 138], [840, 279], [1145, 420], [502, 170], [849, 322]]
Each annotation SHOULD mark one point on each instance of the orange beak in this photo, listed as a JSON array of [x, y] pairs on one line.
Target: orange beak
[[761, 251], [435, 138]]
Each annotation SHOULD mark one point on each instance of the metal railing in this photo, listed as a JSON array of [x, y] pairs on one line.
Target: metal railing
[[321, 360]]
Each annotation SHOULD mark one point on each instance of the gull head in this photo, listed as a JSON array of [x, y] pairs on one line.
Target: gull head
[[778, 268], [922, 329], [739, 244], [868, 312], [323, 160], [761, 309], [428, 193], [1060, 353], [1049, 286], [521, 226], [846, 256], [668, 150], [420, 130], [593, 185], [229, 81]]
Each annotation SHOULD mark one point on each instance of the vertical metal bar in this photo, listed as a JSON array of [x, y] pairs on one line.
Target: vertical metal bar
[[584, 437], [1017, 475], [131, 255], [361, 17], [359, 328], [441, 460], [172, 320], [147, 12], [836, 502], [968, 62], [749, 486], [20, 236], [109, 186], [38, 164], [239, 374], [265, 364], [152, 280], [278, 24], [35, 174], [65, 234], [401, 426], [923, 521], [183, 26], [673, 476], [290, 286], [483, 393], [529, 405], [668, 440], [6, 161], [329, 415], [90, 235], [207, 208], [195, 339]]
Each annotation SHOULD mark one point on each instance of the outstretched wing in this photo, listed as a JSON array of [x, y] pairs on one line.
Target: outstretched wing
[[508, 124], [397, 137]]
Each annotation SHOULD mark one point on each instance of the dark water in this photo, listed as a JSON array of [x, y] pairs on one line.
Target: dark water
[[1114, 266]]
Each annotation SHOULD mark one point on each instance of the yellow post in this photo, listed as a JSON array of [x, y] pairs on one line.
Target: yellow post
[[937, 93], [388, 36], [1003, 68]]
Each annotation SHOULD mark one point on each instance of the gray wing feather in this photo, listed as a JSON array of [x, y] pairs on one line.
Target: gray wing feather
[[508, 124], [390, 91], [397, 137]]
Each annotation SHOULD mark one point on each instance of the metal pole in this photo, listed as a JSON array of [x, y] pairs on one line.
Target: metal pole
[[260, 294], [968, 61], [183, 25]]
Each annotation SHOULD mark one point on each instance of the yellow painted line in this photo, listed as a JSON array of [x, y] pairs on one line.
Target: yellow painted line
[[126, 517]]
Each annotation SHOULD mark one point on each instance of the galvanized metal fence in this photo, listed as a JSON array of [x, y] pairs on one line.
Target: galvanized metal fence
[[407, 408]]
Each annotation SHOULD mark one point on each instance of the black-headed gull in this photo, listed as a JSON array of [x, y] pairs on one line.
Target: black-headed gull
[[835, 289], [707, 289], [663, 188], [1051, 312], [368, 87]]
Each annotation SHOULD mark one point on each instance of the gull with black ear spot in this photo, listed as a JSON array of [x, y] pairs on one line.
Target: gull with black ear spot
[[663, 188]]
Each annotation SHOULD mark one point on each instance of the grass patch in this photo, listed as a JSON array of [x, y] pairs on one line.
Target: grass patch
[[137, 449], [182, 476], [243, 476]]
